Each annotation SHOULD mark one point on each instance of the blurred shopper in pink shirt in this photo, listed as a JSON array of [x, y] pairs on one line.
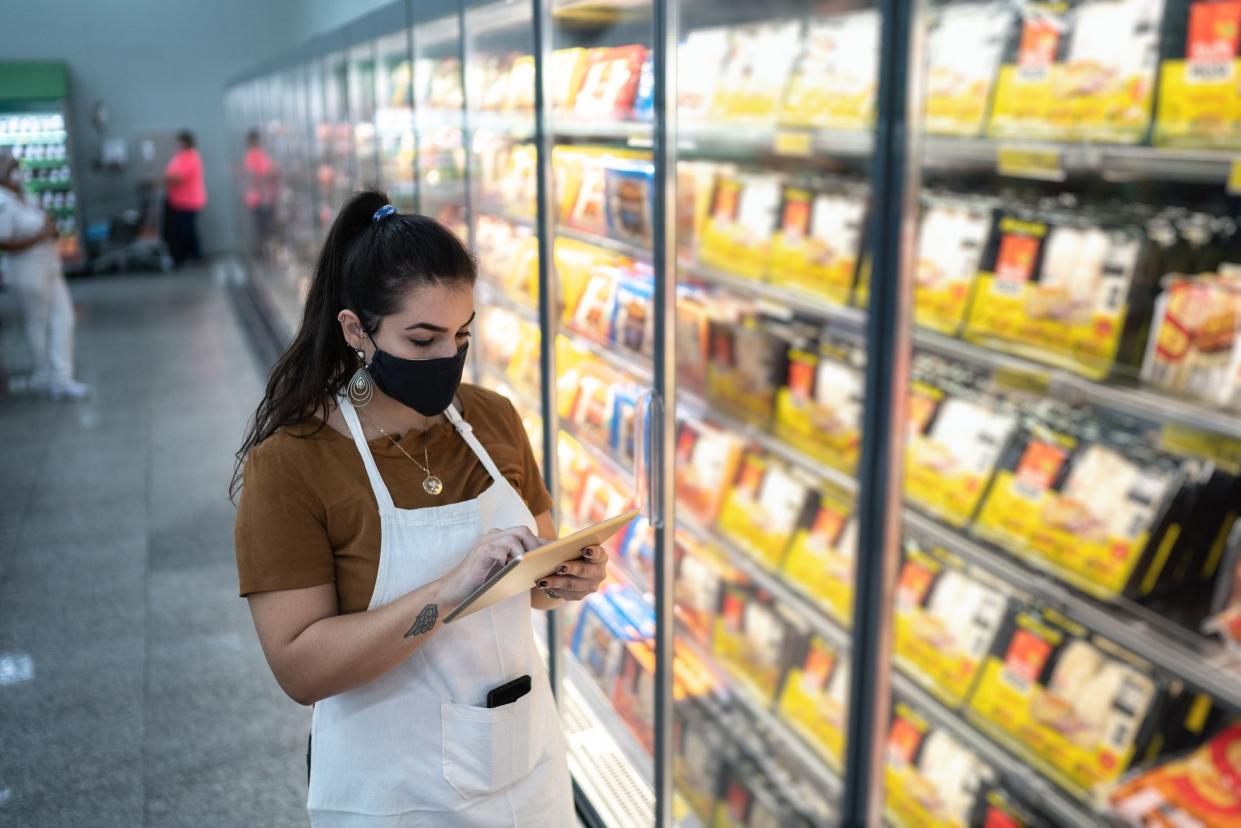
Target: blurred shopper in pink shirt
[[260, 189], [187, 195]]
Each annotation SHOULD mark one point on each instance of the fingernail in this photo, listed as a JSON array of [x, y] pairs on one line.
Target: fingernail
[[543, 584], [551, 593], [562, 570], [589, 553]]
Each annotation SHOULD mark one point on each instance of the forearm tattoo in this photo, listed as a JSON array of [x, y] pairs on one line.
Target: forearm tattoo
[[425, 621]]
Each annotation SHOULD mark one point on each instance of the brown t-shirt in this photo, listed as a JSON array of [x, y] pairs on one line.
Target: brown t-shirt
[[307, 515]]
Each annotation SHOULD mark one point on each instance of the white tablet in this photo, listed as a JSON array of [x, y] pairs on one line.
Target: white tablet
[[522, 573]]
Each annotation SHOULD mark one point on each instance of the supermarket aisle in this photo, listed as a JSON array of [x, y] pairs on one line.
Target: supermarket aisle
[[132, 689]]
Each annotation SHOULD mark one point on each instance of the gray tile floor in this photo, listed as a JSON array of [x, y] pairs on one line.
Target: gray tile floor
[[132, 689]]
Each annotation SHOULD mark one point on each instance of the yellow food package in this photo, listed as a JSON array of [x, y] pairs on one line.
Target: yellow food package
[[951, 240], [566, 70], [965, 43], [1057, 294], [762, 508], [816, 247], [1076, 706], [1085, 511], [755, 72], [575, 263], [953, 448], [737, 234], [946, 620], [814, 697], [754, 639], [837, 73], [820, 558], [819, 408], [933, 780], [1199, 104]]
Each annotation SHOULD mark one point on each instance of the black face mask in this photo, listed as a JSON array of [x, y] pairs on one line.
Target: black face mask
[[425, 385]]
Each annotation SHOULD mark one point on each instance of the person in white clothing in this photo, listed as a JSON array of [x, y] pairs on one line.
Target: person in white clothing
[[376, 492], [34, 274]]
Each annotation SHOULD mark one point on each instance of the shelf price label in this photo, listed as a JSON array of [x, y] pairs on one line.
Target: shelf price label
[[1042, 163], [794, 142], [1226, 451], [1234, 177]]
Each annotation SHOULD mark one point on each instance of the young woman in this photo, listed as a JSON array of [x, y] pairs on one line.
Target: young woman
[[377, 492]]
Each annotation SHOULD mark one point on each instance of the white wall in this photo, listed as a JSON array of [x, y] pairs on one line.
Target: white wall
[[161, 65]]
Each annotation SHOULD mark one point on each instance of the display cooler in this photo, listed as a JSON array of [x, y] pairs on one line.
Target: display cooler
[[915, 331], [35, 126]]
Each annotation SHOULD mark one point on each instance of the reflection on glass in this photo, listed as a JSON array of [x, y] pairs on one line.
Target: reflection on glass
[[394, 121]]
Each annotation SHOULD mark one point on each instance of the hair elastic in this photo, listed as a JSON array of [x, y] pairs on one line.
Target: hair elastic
[[383, 212]]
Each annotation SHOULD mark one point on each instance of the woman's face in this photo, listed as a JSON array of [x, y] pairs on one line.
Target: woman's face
[[433, 321]]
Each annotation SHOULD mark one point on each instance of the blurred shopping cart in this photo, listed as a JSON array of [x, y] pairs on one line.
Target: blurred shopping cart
[[132, 239]]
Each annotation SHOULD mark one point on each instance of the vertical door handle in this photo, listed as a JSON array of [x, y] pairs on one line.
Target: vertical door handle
[[648, 456]]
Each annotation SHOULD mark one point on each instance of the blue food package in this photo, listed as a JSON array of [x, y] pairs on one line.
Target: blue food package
[[633, 312], [637, 548], [644, 97], [629, 193], [620, 435], [600, 636], [635, 608]]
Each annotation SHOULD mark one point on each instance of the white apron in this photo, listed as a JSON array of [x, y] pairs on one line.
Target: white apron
[[416, 747]]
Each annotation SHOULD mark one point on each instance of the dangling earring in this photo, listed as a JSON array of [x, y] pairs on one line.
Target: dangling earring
[[361, 386]]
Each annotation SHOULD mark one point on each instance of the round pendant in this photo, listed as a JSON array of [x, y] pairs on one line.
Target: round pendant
[[433, 485]]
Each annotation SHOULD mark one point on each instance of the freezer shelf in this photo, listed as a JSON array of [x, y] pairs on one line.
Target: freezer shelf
[[851, 322], [965, 155]]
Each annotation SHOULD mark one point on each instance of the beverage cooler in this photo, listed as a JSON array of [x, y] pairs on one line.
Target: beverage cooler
[[915, 331], [35, 129]]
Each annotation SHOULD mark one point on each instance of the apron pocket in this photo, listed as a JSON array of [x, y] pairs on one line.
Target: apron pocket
[[488, 749]]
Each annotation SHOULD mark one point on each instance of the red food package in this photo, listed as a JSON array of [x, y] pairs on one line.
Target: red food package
[[610, 82], [1203, 788]]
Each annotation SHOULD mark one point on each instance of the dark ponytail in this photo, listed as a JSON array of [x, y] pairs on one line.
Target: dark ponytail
[[366, 266]]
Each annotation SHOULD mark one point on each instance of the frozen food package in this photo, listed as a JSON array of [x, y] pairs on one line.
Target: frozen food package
[[947, 617], [629, 189], [1088, 511], [818, 242], [1064, 293], [819, 562], [1201, 789], [633, 316], [950, 459], [965, 43], [813, 698], [520, 97], [599, 639], [610, 82], [819, 406], [701, 572], [763, 506], [565, 71], [756, 71], [707, 459], [1076, 705], [932, 778], [1198, 103], [736, 236], [1082, 71], [633, 691], [951, 238], [754, 639], [698, 745], [836, 75], [699, 62], [1196, 338], [748, 363]]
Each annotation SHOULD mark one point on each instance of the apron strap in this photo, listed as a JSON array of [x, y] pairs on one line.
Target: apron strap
[[467, 433], [382, 496]]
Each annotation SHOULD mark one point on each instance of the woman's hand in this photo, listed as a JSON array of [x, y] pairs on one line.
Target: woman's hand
[[579, 578], [495, 549]]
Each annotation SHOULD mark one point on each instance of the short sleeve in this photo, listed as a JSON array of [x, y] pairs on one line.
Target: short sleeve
[[281, 541], [533, 489], [8, 220]]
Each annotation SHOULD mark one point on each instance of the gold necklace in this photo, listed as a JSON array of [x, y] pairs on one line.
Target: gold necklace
[[432, 485]]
